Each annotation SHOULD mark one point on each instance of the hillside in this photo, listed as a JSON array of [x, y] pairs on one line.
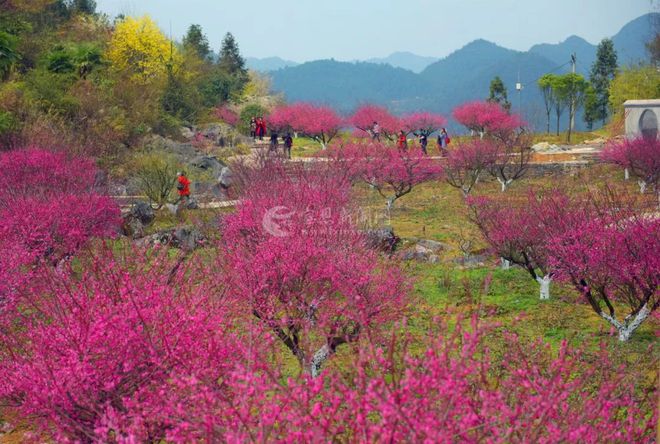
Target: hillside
[[343, 85], [268, 64]]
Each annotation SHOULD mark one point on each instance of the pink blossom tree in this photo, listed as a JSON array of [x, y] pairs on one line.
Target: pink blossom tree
[[365, 116], [607, 249], [281, 119], [423, 123], [85, 355], [392, 173], [640, 156], [515, 233], [53, 208], [467, 163], [227, 115], [304, 270], [512, 156], [486, 118], [320, 123]]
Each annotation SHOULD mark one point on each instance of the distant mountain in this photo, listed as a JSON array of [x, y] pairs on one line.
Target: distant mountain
[[630, 42], [344, 85], [406, 60], [560, 53], [463, 75], [268, 64]]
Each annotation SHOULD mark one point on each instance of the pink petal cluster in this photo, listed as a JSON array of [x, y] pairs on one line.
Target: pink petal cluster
[[364, 117], [227, 115], [320, 123], [392, 172], [641, 156], [486, 118], [423, 123]]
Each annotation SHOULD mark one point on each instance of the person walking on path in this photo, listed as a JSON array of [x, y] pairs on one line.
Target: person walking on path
[[273, 140], [183, 187], [424, 141], [443, 141], [375, 132], [253, 128], [288, 144], [402, 142]]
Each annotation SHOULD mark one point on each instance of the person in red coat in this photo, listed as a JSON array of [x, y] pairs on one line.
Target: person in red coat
[[183, 186], [403, 141]]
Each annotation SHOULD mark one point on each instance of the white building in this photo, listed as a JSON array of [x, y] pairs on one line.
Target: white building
[[642, 118]]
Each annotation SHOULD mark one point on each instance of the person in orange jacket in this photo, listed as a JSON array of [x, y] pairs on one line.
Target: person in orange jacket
[[183, 186]]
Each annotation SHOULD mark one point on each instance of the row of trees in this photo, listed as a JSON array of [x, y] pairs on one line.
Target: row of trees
[[142, 346]]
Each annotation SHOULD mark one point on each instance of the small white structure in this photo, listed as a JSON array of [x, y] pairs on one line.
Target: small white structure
[[642, 117]]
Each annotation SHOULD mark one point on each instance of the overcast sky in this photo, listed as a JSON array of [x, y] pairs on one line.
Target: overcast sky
[[302, 30]]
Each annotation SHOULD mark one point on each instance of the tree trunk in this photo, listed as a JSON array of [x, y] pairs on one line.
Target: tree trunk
[[545, 287], [313, 367], [548, 123], [626, 174], [505, 264], [504, 183], [626, 329], [642, 186]]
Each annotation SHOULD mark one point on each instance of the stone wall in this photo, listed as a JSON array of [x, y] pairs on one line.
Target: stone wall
[[642, 117]]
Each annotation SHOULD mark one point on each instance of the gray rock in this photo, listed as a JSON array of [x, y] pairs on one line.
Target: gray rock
[[382, 239], [208, 163], [185, 238], [432, 245], [226, 177], [187, 133], [419, 254], [192, 204], [143, 212]]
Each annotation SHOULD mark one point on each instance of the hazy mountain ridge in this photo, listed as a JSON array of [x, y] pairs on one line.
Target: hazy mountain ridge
[[463, 75]]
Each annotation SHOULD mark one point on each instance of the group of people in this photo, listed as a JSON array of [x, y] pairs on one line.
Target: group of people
[[257, 128], [287, 139], [402, 140]]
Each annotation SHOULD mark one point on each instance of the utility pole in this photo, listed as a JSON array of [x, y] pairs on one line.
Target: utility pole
[[519, 89], [573, 64]]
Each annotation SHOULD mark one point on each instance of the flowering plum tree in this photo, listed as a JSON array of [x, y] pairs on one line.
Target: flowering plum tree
[[468, 161], [52, 209], [321, 123], [393, 173], [607, 249], [423, 123], [513, 230], [486, 118], [301, 267], [85, 357], [640, 156], [512, 156], [227, 115], [366, 115]]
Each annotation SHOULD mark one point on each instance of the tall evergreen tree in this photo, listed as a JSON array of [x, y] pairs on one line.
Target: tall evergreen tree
[[498, 93], [602, 72], [230, 57], [196, 41]]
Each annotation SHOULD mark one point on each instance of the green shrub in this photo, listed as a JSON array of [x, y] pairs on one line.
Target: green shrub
[[247, 113], [155, 175]]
